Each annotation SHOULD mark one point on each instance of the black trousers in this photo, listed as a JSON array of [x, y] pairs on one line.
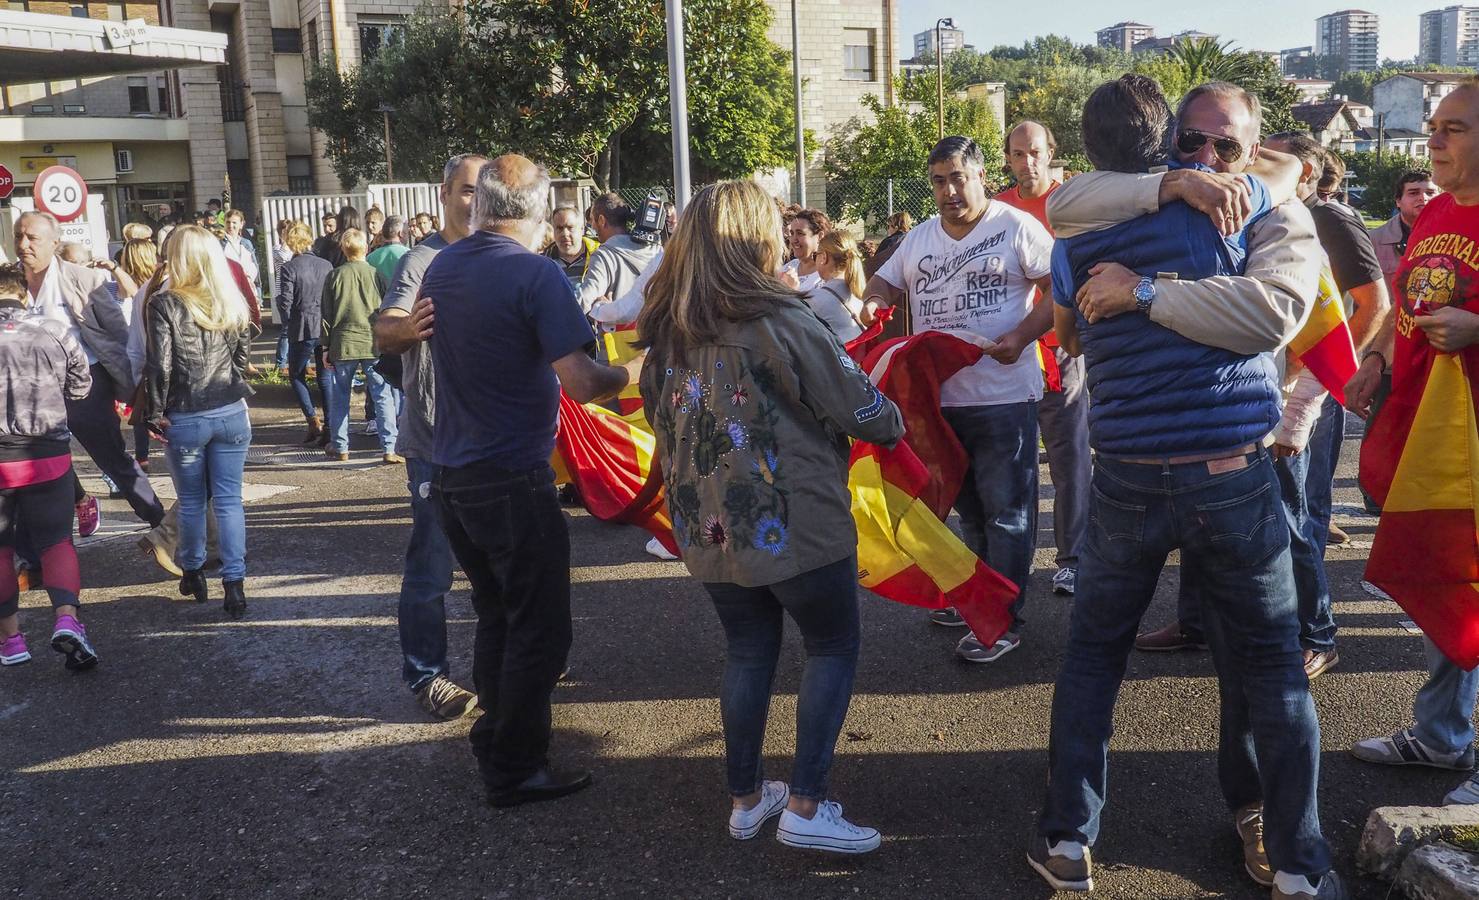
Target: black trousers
[[510, 536], [95, 425]]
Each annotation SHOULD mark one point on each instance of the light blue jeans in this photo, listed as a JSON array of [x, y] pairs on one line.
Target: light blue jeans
[[207, 454], [380, 392], [1444, 708]]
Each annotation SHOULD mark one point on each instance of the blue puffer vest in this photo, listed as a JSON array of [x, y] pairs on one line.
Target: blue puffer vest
[[1154, 393]]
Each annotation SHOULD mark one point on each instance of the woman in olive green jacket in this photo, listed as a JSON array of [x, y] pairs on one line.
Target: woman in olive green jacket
[[352, 293]]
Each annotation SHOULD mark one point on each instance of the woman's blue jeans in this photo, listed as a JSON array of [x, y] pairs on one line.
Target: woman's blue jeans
[[207, 454], [824, 604]]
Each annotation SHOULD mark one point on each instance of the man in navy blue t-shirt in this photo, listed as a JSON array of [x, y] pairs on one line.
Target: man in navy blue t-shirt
[[508, 337]]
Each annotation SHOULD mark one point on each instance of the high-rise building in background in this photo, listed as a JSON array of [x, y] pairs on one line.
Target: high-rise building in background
[[951, 40], [1291, 60], [1350, 34], [1449, 37], [1123, 35]]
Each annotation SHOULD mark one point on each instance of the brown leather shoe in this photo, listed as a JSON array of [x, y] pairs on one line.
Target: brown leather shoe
[[1249, 823], [393, 459], [1316, 662], [315, 431], [1172, 637], [339, 455]]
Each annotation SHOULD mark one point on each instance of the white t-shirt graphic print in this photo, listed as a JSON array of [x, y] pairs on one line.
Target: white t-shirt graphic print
[[982, 284]]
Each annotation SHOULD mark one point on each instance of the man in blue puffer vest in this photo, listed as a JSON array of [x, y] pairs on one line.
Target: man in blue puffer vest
[[1182, 406]]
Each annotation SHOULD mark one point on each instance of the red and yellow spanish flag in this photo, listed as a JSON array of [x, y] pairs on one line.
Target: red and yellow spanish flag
[[907, 554], [1420, 461], [609, 459], [1324, 344]]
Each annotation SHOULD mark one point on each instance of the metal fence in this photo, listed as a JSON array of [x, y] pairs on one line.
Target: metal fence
[[859, 205]]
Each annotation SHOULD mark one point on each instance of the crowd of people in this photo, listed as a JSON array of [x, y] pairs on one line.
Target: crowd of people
[[1142, 323]]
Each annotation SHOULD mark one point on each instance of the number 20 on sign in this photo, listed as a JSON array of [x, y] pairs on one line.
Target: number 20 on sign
[[61, 192]]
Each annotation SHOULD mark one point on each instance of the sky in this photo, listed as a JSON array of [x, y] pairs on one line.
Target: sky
[[1251, 25]]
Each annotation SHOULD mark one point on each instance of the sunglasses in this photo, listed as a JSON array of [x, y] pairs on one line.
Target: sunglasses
[[1227, 149]]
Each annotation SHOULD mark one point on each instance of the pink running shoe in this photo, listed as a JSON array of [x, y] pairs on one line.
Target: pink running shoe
[[70, 639], [13, 650], [89, 517]]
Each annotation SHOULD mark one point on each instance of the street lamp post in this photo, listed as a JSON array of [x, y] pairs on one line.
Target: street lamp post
[[796, 86], [678, 100], [940, 72], [385, 109]]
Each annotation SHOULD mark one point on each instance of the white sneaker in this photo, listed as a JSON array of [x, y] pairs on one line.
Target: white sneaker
[[1466, 794], [371, 427], [1064, 581], [745, 823], [656, 548], [826, 830]]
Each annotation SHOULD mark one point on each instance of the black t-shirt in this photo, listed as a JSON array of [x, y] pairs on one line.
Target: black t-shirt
[[1346, 242]]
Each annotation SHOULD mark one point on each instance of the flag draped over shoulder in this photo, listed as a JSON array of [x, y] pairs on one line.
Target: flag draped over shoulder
[[1420, 461], [1324, 344]]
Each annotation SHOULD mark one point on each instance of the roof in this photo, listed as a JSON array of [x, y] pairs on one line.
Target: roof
[[1323, 81], [1392, 134], [1436, 77], [1125, 25], [1349, 12], [39, 47], [1317, 116]]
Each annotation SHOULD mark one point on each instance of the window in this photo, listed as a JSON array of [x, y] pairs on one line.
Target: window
[[377, 36], [162, 85], [300, 175], [311, 30], [116, 12], [79, 10], [74, 109], [287, 40], [18, 6], [142, 202], [42, 109], [857, 54], [138, 94]]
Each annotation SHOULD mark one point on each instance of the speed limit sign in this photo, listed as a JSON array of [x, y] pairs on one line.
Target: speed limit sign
[[61, 192]]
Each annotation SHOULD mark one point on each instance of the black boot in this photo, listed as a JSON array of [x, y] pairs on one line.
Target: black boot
[[193, 583], [235, 602]]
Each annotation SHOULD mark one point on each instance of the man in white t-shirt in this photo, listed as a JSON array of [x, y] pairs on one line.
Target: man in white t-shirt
[[972, 270]]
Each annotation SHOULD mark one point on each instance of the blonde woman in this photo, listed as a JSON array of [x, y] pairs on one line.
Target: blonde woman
[[751, 398], [838, 300], [138, 261], [196, 390]]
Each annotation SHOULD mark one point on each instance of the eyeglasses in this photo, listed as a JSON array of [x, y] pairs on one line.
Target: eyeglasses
[[1227, 149]]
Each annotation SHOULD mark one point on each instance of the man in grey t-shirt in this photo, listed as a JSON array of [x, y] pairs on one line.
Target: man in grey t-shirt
[[620, 259], [401, 327]]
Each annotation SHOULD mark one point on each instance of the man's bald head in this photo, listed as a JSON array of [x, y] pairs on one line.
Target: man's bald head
[[1030, 149], [513, 191]]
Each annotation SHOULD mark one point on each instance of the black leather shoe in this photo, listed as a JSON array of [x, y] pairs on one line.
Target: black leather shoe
[[542, 785], [235, 602], [193, 585]]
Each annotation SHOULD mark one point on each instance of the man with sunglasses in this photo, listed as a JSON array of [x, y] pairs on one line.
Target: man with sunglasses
[[1185, 395]]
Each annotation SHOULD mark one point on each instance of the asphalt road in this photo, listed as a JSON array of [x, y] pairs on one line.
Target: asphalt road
[[281, 756]]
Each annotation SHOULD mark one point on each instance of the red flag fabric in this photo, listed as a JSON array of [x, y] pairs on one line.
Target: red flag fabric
[[910, 372], [609, 459]]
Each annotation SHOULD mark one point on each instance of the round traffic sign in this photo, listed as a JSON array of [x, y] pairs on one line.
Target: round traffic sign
[[61, 192], [7, 182]]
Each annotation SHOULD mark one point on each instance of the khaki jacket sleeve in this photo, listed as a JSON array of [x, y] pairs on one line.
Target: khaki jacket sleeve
[[1098, 200], [102, 324], [1262, 309]]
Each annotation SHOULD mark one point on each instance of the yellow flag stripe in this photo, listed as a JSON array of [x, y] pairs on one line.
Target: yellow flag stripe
[[1440, 461]]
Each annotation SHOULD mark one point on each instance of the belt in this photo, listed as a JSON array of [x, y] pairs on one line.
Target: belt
[[1218, 456]]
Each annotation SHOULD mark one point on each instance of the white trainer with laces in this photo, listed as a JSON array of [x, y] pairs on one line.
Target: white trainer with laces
[[1466, 794], [746, 823], [827, 830], [1065, 581]]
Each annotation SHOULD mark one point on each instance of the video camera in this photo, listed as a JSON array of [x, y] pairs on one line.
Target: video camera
[[650, 219]]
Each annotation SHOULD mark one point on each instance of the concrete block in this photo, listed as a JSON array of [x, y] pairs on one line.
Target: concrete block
[[1393, 832], [1439, 872]]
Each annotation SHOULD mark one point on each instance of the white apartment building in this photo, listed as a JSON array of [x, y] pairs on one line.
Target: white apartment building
[[1123, 35], [1350, 34], [1449, 36]]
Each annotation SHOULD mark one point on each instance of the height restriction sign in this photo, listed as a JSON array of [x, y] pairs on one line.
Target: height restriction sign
[[61, 192]]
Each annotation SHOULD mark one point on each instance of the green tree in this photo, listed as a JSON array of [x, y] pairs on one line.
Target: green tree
[[1377, 173], [562, 81], [893, 143], [1055, 96]]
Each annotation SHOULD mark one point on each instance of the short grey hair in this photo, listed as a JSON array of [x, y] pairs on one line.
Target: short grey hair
[[1223, 89], [496, 203], [394, 228], [56, 226], [456, 162]]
